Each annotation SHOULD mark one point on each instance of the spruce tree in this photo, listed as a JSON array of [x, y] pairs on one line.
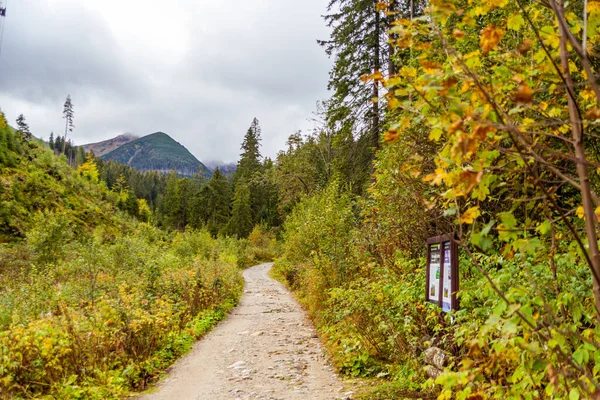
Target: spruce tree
[[250, 158], [68, 115], [241, 215], [51, 141], [175, 203], [356, 45], [23, 128], [218, 199]]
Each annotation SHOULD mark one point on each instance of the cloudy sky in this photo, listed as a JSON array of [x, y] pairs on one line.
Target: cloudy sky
[[199, 70]]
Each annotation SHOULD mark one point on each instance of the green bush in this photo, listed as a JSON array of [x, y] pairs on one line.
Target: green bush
[[108, 316]]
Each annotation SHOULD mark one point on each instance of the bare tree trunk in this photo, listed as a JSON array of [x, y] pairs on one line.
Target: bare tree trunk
[[377, 67], [392, 37], [65, 138], [582, 169]]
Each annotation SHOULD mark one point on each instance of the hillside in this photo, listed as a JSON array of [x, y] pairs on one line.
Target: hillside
[[106, 146], [86, 291], [157, 152]]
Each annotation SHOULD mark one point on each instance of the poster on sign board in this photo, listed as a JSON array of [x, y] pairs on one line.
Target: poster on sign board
[[434, 273], [447, 281], [442, 272]]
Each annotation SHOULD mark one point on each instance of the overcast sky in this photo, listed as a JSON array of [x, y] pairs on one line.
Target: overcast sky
[[199, 70]]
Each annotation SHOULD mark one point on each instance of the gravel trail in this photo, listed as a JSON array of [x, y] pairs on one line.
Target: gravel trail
[[266, 349]]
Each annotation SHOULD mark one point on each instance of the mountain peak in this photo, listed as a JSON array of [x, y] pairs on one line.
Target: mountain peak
[[106, 146], [157, 152]]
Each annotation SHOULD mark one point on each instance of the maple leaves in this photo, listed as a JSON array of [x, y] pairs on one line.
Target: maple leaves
[[490, 37]]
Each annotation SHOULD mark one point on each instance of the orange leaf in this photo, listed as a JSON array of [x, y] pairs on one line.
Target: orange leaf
[[381, 6], [392, 136], [430, 67], [592, 114], [470, 179], [456, 126], [524, 94], [490, 37], [525, 46], [458, 34]]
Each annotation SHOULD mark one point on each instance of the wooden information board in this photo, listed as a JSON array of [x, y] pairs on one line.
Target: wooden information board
[[442, 272]]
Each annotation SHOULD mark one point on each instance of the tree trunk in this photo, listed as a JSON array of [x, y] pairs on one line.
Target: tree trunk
[[65, 138], [582, 169], [377, 67], [392, 37]]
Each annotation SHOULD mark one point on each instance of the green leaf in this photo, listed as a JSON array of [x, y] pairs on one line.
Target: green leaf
[[543, 228], [515, 22], [450, 211], [581, 355], [574, 394], [486, 230]]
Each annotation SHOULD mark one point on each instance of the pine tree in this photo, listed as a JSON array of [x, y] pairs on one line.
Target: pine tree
[[218, 200], [51, 141], [23, 128], [241, 214], [68, 115], [176, 202], [250, 159]]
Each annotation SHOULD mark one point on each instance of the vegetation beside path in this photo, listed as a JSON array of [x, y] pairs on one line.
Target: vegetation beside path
[[94, 303]]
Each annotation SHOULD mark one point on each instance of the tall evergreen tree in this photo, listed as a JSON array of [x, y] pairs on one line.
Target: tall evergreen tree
[[23, 127], [176, 201], [356, 45], [250, 159], [218, 199], [68, 115], [241, 214], [51, 141]]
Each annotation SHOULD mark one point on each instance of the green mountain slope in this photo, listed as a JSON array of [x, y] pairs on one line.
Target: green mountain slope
[[157, 152]]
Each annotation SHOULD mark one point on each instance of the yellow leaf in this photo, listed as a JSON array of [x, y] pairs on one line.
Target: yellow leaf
[[415, 173], [394, 103], [497, 3], [597, 212], [593, 7], [405, 122], [580, 212], [408, 72], [470, 215], [381, 6], [436, 178], [377, 76], [515, 22]]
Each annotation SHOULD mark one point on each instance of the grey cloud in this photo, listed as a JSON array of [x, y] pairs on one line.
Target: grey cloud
[[50, 50], [244, 59]]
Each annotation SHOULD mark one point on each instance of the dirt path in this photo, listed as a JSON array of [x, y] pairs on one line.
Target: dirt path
[[266, 349]]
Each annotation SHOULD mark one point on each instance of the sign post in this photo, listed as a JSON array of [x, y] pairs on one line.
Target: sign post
[[442, 272]]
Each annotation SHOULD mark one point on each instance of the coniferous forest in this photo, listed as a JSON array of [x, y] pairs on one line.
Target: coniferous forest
[[477, 120]]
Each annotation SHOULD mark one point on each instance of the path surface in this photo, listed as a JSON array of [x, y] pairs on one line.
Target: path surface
[[266, 349]]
